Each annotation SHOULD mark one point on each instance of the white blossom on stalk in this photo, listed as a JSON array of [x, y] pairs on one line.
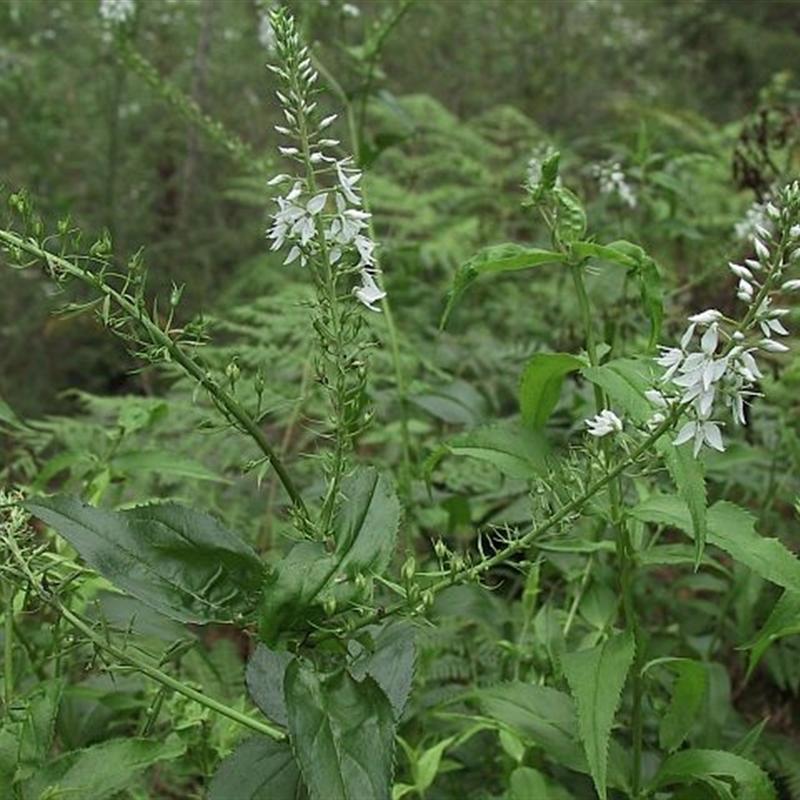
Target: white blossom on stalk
[[321, 216], [117, 12], [714, 367], [604, 423], [612, 181]]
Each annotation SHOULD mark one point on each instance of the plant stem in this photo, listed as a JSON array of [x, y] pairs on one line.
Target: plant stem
[[135, 661], [473, 573], [136, 312], [163, 678], [8, 643]]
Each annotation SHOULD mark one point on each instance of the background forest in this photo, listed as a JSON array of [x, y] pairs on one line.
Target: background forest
[[675, 123]]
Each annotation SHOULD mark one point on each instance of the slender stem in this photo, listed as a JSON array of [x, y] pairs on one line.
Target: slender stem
[[355, 123], [163, 678], [473, 573], [132, 660], [190, 364], [624, 550], [8, 643]]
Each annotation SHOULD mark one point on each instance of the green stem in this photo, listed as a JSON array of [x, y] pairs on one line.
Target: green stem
[[624, 549], [163, 678], [132, 660], [8, 644], [355, 132], [473, 573], [221, 397]]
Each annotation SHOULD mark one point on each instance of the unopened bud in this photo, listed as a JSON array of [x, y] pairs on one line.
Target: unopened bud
[[408, 570]]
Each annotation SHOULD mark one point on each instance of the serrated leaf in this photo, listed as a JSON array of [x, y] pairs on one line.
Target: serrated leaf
[[175, 559], [497, 258], [540, 385], [625, 381], [259, 769], [541, 716], [365, 524], [688, 766], [102, 770], [596, 678], [365, 529], [732, 529], [516, 451], [342, 733], [264, 679], [784, 620], [390, 661], [688, 695], [688, 473]]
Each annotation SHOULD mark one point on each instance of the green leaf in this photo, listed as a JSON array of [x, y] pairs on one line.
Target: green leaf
[[342, 733], [177, 560], [365, 529], [541, 716], [102, 770], [425, 765], [596, 678], [497, 258], [365, 524], [164, 464], [27, 732], [259, 769], [688, 695], [784, 620], [625, 381], [457, 403], [644, 270], [527, 783], [688, 473], [570, 222], [540, 385], [390, 661], [688, 766], [733, 530], [516, 451], [264, 678], [293, 590]]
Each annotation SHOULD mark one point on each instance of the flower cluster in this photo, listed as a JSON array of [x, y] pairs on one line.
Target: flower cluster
[[117, 12], [318, 222], [714, 367], [611, 180], [754, 218]]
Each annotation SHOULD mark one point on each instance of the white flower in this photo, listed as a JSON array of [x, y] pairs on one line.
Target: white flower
[[604, 423], [703, 432], [117, 12], [611, 181], [706, 317], [369, 292]]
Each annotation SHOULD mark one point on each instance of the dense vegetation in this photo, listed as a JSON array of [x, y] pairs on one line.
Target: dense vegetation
[[522, 522]]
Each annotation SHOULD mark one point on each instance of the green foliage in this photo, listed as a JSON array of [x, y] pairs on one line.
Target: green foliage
[[275, 541], [177, 560], [596, 678]]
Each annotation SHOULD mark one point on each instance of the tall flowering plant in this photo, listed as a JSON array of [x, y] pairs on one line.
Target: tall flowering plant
[[333, 652]]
